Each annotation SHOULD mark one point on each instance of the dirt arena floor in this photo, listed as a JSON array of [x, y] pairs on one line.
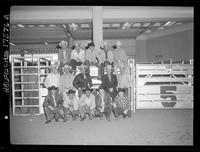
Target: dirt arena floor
[[145, 127]]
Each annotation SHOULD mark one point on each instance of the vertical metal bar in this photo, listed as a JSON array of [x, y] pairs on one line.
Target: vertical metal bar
[[38, 66], [13, 86]]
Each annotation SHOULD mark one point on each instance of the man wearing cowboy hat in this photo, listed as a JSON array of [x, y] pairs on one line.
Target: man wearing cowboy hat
[[63, 55], [53, 105], [124, 79], [101, 56], [120, 56], [103, 102], [91, 55], [70, 104], [109, 81], [66, 80], [77, 56], [52, 79], [122, 104], [87, 104], [82, 80]]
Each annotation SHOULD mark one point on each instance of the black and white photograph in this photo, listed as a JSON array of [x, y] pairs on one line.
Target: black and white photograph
[[101, 75]]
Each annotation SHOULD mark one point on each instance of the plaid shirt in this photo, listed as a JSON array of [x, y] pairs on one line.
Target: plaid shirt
[[122, 102]]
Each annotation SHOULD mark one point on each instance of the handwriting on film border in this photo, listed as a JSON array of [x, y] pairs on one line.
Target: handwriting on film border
[[5, 44]]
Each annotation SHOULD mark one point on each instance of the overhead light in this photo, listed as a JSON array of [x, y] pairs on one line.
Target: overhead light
[[41, 25], [52, 25], [20, 25], [161, 28], [85, 25], [115, 25], [106, 25], [136, 25], [73, 26], [148, 31], [156, 24], [126, 25], [169, 23], [178, 23], [45, 43], [12, 44], [64, 26], [146, 24], [30, 25]]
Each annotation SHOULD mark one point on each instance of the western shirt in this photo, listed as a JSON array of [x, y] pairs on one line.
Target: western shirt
[[90, 101], [78, 55], [52, 80]]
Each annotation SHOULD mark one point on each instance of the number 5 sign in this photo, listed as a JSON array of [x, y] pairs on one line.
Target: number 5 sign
[[165, 93]]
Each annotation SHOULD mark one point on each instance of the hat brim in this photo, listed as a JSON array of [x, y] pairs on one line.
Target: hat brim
[[52, 88], [121, 90], [70, 92]]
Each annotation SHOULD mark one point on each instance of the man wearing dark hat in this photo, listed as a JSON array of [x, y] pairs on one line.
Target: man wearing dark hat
[[82, 80], [122, 104], [53, 105], [87, 104], [91, 54], [103, 102], [70, 105]]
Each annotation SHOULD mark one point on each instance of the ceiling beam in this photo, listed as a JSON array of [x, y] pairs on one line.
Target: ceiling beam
[[66, 14]]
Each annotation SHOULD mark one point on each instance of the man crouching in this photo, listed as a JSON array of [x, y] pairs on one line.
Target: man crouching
[[87, 104], [70, 105], [103, 104], [53, 105], [122, 104]]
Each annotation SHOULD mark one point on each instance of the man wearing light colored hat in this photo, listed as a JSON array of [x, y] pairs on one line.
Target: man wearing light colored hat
[[52, 79], [120, 56], [63, 55], [77, 56], [66, 80], [91, 54]]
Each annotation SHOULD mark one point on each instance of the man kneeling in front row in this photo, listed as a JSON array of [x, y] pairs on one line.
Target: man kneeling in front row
[[53, 105], [87, 104], [103, 104], [122, 105], [70, 105]]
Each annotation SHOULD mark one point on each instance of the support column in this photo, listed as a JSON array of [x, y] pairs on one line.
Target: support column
[[97, 18]]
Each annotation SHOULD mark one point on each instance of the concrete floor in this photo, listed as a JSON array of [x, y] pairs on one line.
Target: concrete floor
[[146, 127]]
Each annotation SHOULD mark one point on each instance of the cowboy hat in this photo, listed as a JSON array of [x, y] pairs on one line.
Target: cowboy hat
[[121, 90], [87, 89], [91, 44], [70, 91], [118, 43], [52, 88], [63, 43], [53, 66], [100, 87], [67, 67]]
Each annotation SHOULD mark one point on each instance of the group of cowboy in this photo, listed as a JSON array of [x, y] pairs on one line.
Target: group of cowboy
[[63, 83]]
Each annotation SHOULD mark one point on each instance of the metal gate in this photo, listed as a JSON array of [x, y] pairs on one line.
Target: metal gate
[[164, 86], [28, 92]]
